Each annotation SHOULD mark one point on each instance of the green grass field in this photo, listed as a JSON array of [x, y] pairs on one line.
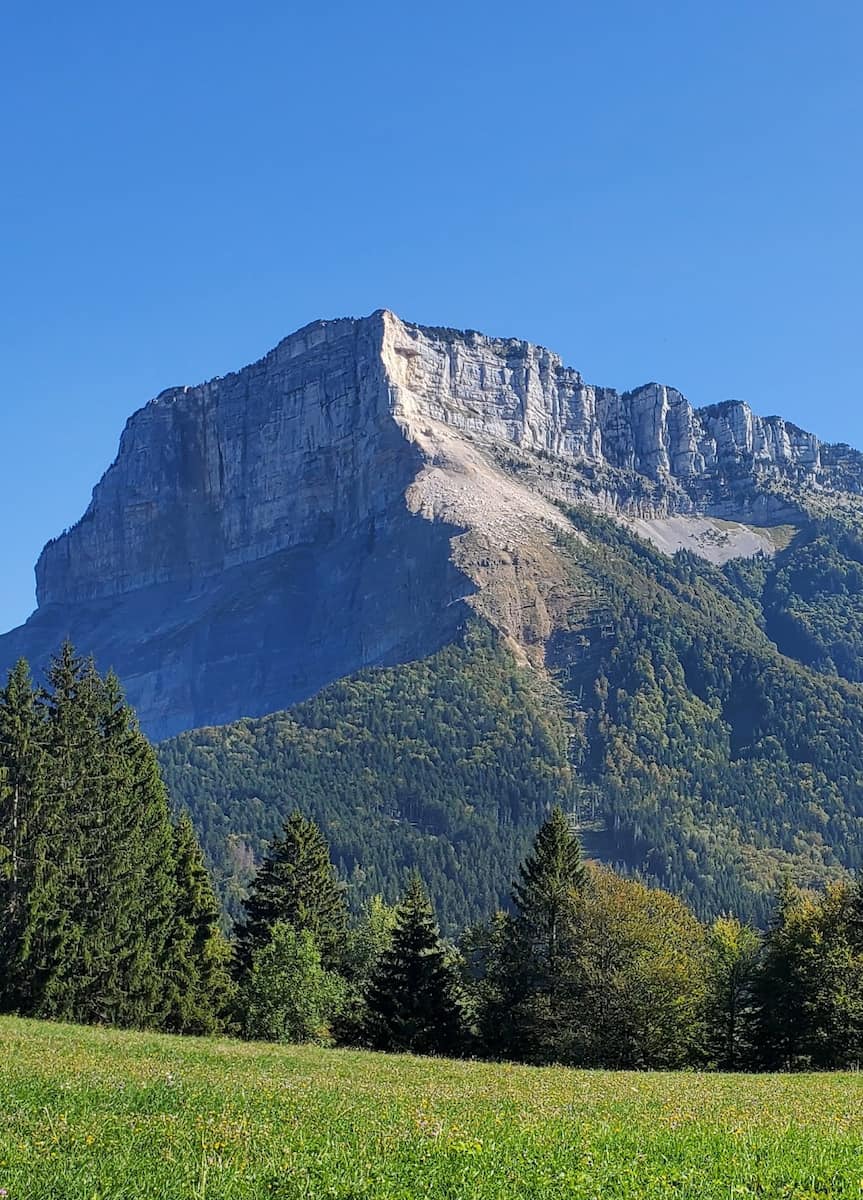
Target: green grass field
[[95, 1114]]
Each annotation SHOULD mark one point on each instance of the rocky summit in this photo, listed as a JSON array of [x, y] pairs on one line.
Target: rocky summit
[[350, 498]]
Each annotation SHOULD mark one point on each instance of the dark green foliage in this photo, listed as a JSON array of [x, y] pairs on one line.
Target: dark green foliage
[[112, 855], [809, 989], [90, 885], [200, 989], [297, 885], [537, 1009], [546, 896], [448, 765], [412, 997], [22, 764]]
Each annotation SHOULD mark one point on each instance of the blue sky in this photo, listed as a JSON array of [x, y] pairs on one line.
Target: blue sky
[[665, 191]]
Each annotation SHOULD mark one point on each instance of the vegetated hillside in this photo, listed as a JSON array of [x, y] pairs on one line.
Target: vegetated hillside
[[448, 764], [699, 756], [95, 1112], [811, 597], [716, 761]]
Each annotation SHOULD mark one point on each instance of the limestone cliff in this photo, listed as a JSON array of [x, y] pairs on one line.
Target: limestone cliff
[[341, 502]]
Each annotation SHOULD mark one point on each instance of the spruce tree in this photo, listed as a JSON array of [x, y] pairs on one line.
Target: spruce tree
[[22, 833], [60, 903], [412, 997], [200, 988], [122, 888], [780, 1024], [537, 960], [296, 883], [108, 916], [546, 896], [101, 901]]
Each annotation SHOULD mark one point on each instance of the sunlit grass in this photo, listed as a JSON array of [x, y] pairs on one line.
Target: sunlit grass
[[104, 1116]]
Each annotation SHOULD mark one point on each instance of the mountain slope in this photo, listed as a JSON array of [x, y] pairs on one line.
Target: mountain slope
[[444, 583], [447, 764], [350, 498], [688, 748]]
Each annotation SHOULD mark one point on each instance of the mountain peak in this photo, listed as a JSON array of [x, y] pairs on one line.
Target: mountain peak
[[386, 475]]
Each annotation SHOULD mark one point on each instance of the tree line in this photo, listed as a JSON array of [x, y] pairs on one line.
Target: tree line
[[109, 916], [108, 911], [700, 758], [585, 969]]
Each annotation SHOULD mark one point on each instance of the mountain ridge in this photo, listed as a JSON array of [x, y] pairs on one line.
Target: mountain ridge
[[389, 478]]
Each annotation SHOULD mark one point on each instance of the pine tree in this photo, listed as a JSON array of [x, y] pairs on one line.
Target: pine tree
[[59, 904], [412, 997], [200, 989], [101, 896], [537, 960], [779, 1022], [105, 918], [22, 834], [546, 896], [139, 877], [296, 883]]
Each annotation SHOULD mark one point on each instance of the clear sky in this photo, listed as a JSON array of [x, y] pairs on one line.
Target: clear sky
[[666, 191]]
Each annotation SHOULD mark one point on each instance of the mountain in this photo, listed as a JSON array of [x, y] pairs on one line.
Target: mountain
[[688, 748], [349, 499], [423, 583]]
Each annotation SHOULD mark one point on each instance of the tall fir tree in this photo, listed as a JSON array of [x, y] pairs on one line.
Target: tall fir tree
[[200, 989], [779, 1022], [412, 999], [108, 914], [23, 845], [546, 894], [297, 884], [60, 902], [136, 872], [537, 956]]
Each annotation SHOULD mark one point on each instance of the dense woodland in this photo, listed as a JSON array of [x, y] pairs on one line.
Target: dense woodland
[[109, 917], [108, 912], [698, 731], [447, 765], [696, 723]]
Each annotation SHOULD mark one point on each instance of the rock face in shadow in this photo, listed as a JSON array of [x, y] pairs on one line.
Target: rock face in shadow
[[345, 500]]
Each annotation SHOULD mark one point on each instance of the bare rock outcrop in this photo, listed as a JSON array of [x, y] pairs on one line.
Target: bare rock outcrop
[[344, 500]]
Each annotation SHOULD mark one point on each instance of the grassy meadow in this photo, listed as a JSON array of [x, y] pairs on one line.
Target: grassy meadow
[[100, 1115]]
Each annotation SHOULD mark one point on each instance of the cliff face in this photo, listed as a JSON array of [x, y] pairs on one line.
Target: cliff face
[[514, 392], [294, 450], [339, 502]]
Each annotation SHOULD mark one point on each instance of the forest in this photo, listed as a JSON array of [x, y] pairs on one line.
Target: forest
[[701, 723], [110, 917]]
